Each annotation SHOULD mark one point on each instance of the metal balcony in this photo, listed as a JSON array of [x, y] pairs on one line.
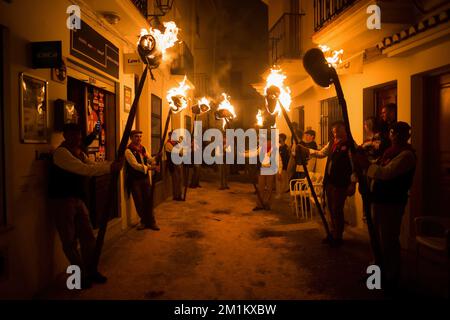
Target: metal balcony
[[284, 38], [327, 10], [142, 6]]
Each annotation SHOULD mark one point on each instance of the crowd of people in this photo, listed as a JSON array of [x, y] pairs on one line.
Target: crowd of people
[[383, 165]]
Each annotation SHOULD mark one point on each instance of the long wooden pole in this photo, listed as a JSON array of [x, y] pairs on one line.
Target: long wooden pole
[[160, 150], [374, 241], [115, 175], [308, 178], [186, 181]]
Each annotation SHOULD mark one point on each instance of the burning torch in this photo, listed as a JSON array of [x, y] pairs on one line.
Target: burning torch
[[225, 111], [324, 74], [278, 99], [151, 47]]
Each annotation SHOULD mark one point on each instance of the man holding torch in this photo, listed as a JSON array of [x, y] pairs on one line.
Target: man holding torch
[[138, 180], [69, 169], [340, 178], [175, 170]]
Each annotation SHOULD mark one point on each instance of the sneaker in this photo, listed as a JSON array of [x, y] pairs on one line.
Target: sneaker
[[153, 226], [140, 226], [97, 277]]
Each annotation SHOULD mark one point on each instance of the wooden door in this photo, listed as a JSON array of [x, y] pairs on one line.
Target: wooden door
[[436, 168]]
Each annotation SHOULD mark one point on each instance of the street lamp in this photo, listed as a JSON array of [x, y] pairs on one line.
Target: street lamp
[[164, 7]]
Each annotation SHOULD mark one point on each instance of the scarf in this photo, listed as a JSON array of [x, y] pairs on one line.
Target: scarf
[[139, 149]]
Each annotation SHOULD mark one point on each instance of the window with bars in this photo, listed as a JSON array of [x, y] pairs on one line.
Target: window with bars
[[156, 125], [330, 112]]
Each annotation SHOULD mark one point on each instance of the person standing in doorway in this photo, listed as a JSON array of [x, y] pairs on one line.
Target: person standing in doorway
[[390, 180], [139, 167]]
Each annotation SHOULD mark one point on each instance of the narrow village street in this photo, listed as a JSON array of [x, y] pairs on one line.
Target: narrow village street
[[213, 246]]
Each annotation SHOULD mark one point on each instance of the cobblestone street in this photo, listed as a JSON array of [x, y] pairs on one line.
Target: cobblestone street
[[213, 246]]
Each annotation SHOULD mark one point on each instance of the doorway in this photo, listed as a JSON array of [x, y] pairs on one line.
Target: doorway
[[96, 107], [436, 144]]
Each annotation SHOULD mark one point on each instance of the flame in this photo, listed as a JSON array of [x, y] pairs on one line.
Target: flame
[[259, 118], [204, 102], [334, 58], [226, 105], [177, 96], [276, 78], [164, 40]]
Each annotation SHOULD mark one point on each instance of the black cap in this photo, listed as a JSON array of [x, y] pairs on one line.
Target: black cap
[[133, 132]]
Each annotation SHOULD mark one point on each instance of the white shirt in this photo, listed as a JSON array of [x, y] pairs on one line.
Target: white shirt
[[64, 159]]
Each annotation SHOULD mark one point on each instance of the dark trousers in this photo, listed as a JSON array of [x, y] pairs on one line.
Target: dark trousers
[[73, 225], [336, 201], [142, 196], [195, 182], [176, 181], [387, 220], [224, 169]]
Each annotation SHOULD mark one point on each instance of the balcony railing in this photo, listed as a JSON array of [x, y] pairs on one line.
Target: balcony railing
[[284, 38], [183, 64], [141, 5], [326, 10]]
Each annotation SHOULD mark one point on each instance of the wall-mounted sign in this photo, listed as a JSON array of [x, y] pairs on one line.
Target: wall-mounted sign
[[88, 45], [60, 74], [46, 54], [132, 63]]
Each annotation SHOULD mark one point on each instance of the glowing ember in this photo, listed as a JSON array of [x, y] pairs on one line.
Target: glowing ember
[[334, 58], [259, 118], [163, 40], [225, 110], [177, 96], [276, 92]]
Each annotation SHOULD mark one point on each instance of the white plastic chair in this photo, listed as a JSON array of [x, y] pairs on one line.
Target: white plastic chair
[[306, 196], [295, 192]]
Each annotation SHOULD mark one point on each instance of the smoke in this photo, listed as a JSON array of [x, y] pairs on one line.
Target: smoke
[[221, 77]]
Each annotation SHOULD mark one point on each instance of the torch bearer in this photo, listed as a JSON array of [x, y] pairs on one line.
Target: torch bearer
[[324, 75], [277, 100], [202, 106], [151, 48]]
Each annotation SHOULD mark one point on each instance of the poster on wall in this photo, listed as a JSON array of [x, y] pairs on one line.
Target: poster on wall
[[95, 119], [33, 109], [127, 98]]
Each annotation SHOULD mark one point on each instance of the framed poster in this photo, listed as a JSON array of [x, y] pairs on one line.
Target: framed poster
[[127, 98], [33, 95]]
